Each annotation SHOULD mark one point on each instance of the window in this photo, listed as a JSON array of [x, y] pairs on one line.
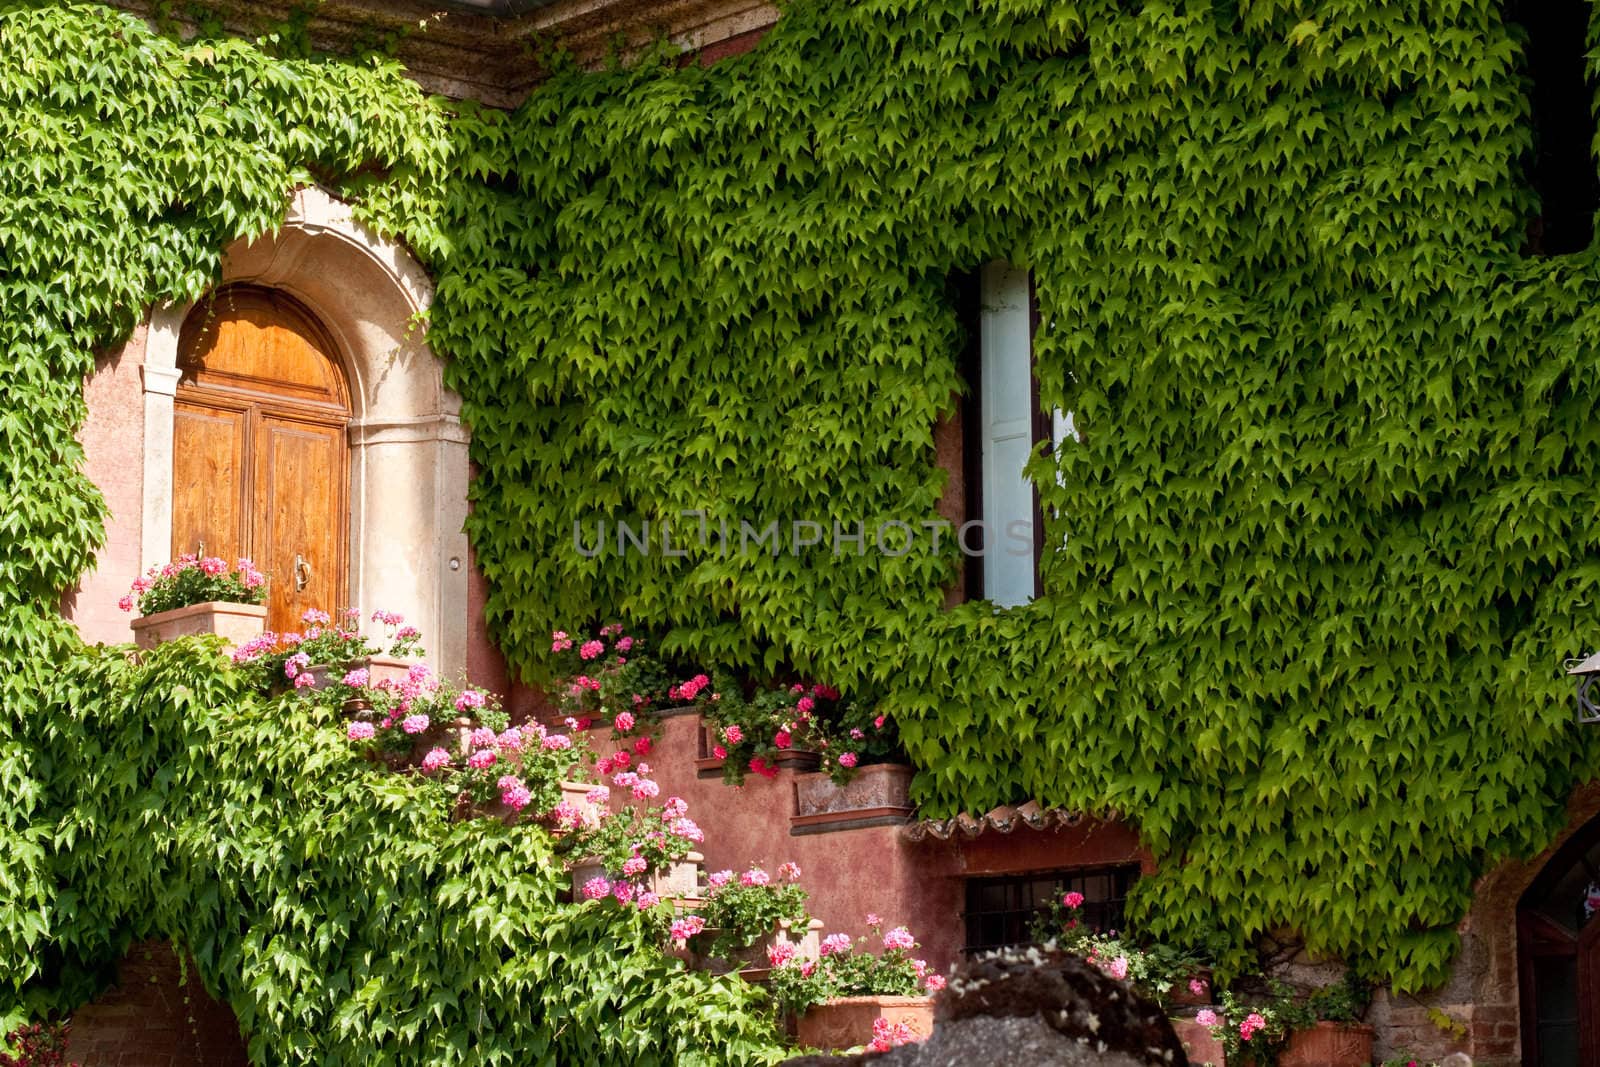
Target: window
[[1000, 911], [1561, 168], [1003, 424]]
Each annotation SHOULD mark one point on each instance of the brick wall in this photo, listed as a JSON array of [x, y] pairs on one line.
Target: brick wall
[[152, 1018]]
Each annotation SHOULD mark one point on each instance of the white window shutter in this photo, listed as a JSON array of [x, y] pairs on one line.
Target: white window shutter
[[1006, 416]]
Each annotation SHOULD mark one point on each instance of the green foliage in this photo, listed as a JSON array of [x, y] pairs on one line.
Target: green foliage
[[1317, 557], [1279, 1013], [742, 914], [850, 970], [191, 581], [336, 906], [1326, 537]]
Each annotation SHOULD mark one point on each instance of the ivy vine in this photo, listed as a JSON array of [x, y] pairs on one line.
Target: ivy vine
[[1316, 559]]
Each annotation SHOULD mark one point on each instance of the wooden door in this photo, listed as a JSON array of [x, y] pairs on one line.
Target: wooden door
[[1558, 948], [260, 465]]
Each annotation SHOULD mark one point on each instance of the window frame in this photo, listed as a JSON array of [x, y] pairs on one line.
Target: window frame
[[1108, 912]]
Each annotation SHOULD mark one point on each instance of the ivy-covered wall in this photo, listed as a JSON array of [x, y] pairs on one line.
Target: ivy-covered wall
[[1319, 553], [1329, 531]]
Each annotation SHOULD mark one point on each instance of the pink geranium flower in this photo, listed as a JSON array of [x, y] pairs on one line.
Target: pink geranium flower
[[482, 759], [1073, 900], [436, 758], [360, 731], [899, 937], [933, 983], [847, 759], [590, 649], [415, 724], [596, 887], [754, 876], [789, 871], [1205, 1017], [836, 944], [719, 878], [623, 722]]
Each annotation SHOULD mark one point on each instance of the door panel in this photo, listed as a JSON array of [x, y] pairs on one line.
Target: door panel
[[260, 467], [299, 512], [210, 483]]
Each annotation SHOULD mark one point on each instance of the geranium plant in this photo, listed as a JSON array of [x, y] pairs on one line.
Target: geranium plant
[[190, 580], [637, 839], [279, 660], [849, 968], [610, 677], [36, 1045], [749, 734], [1255, 1028], [1156, 970], [742, 909]]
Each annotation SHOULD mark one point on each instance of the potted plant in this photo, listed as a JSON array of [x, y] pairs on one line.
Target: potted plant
[[840, 998], [195, 595], [746, 915], [324, 655], [1160, 972], [1289, 1029], [612, 673], [798, 726], [637, 849]]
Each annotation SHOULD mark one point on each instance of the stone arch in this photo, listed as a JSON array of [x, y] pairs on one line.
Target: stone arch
[[1483, 995], [408, 461]]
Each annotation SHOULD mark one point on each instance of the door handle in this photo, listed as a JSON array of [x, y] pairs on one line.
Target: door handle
[[302, 573]]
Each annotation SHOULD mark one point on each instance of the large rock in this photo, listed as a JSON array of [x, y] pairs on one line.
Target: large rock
[[1034, 1007]]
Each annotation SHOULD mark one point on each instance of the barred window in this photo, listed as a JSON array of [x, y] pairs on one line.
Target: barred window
[[1000, 911]]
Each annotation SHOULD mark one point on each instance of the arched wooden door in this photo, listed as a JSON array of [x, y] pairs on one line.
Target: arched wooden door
[[260, 465], [1558, 948]]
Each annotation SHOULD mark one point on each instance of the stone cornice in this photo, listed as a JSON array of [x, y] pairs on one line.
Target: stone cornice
[[492, 58]]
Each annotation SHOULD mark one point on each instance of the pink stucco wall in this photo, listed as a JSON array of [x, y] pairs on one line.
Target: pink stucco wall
[[872, 869], [113, 444]]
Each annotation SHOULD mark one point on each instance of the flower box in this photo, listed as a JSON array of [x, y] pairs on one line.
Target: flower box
[[878, 795], [236, 623], [752, 961], [709, 765], [679, 880], [847, 1022], [1328, 1045], [378, 668]]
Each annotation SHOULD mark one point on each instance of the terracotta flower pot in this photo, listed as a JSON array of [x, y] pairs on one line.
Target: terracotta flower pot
[[679, 879], [878, 795], [1329, 1045], [236, 623], [1181, 995], [1198, 1043], [752, 961], [379, 668], [847, 1021], [710, 765]]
